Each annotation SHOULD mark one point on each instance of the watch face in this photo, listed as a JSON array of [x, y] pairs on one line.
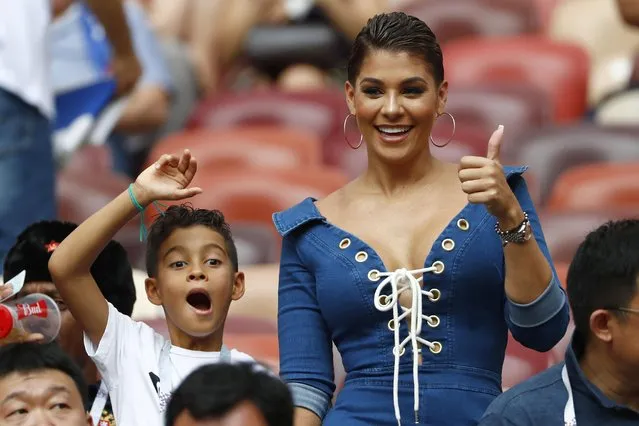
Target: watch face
[[528, 232]]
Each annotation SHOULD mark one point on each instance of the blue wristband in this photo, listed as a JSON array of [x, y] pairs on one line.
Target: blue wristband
[[134, 200]]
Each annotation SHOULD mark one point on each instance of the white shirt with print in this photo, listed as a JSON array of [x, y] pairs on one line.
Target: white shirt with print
[[128, 359]]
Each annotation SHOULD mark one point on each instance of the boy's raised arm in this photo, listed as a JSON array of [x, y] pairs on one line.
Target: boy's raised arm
[[70, 264]]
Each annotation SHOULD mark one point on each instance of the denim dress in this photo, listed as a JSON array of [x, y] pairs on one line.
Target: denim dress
[[334, 289]]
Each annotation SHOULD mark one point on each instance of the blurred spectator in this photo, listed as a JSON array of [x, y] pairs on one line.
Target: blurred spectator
[[111, 271], [40, 385], [230, 395], [598, 384], [81, 56], [27, 176], [629, 10], [293, 43]]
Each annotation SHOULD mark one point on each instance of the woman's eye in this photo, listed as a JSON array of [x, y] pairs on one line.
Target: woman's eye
[[414, 90], [373, 91]]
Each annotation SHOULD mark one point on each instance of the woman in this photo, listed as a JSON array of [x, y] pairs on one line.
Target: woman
[[417, 269]]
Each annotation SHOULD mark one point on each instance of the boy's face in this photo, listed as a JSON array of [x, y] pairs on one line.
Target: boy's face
[[44, 397], [195, 281], [70, 337]]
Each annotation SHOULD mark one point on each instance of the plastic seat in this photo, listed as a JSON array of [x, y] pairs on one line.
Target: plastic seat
[[619, 109], [545, 9], [454, 19], [263, 347], [274, 147], [517, 107], [600, 30], [255, 243], [81, 193], [565, 231], [552, 150], [562, 272], [90, 158], [253, 195], [559, 70], [588, 188], [320, 112], [237, 324], [260, 299]]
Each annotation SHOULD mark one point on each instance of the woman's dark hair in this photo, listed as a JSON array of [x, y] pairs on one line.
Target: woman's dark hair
[[396, 32]]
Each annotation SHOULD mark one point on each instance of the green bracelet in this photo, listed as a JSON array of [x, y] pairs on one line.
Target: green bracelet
[[138, 206]]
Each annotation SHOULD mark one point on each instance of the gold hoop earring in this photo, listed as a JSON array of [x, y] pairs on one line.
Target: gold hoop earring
[[361, 138], [451, 136]]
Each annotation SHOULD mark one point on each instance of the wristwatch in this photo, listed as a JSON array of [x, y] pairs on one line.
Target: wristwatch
[[518, 235]]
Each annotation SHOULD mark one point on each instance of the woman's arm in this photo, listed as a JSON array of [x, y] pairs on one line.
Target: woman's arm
[[306, 351], [536, 308]]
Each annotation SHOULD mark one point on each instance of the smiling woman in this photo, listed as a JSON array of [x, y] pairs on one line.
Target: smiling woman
[[417, 269]]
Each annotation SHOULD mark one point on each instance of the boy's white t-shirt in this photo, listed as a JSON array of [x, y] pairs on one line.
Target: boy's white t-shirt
[[128, 359]]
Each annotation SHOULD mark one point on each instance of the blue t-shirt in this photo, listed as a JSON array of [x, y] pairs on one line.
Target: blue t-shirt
[[80, 51], [541, 401]]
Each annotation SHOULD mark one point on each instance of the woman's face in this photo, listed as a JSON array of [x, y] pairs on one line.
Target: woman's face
[[396, 102]]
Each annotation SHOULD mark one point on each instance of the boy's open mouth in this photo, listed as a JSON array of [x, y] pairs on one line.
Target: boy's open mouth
[[199, 300]]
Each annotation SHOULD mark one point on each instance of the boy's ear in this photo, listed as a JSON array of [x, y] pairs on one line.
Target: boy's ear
[[238, 286], [152, 292]]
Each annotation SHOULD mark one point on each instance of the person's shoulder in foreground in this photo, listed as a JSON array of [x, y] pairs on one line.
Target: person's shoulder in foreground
[[539, 400], [242, 394], [599, 381], [40, 384]]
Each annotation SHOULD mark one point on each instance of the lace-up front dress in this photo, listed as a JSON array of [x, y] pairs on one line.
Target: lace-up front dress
[[436, 361]]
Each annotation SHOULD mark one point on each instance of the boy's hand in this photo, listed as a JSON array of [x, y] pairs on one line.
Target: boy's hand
[[167, 179]]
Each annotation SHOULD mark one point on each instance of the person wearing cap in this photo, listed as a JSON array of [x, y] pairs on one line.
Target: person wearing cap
[[598, 384], [113, 274]]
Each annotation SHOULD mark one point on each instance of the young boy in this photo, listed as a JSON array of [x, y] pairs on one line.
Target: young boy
[[193, 275], [113, 275]]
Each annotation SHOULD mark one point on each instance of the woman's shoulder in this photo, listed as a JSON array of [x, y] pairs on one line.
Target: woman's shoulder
[[307, 210], [288, 220]]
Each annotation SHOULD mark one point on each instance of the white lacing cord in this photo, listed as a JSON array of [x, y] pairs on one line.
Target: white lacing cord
[[384, 303]]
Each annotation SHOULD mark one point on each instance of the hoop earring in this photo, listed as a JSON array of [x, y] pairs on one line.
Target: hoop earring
[[361, 138], [451, 136]]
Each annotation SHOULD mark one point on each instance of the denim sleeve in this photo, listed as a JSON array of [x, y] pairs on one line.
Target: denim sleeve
[[538, 325], [306, 352], [147, 48]]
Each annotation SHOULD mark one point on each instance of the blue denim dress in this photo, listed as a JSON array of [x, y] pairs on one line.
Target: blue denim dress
[[335, 289]]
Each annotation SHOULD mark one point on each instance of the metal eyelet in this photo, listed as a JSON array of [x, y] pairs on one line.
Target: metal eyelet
[[436, 347], [463, 224], [439, 267], [373, 275], [345, 243], [391, 325], [384, 300], [433, 321], [448, 244], [436, 295], [400, 353], [361, 256]]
